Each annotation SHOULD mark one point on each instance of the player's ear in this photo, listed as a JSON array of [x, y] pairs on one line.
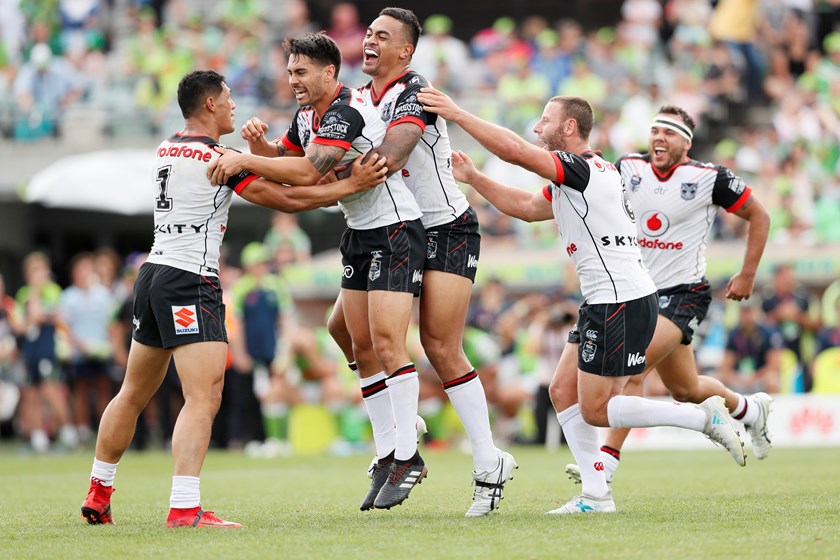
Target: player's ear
[[408, 51], [210, 103]]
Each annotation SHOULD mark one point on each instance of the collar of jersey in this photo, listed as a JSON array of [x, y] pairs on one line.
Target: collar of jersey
[[377, 98]]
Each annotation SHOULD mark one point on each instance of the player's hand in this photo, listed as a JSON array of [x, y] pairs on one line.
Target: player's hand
[[253, 131], [223, 168], [740, 287], [438, 102], [367, 172], [463, 167]]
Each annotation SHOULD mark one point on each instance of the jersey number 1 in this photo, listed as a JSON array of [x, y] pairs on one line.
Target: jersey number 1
[[163, 204]]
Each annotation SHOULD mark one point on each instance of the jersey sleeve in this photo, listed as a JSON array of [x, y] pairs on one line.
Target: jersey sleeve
[[572, 170], [340, 126], [546, 192], [241, 180], [408, 109], [291, 139], [729, 192]]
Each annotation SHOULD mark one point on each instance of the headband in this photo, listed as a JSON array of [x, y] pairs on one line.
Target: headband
[[674, 125]]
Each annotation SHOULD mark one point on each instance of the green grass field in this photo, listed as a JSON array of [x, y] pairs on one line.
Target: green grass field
[[671, 505]]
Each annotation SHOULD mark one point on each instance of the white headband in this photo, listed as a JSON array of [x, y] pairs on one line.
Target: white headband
[[674, 125]]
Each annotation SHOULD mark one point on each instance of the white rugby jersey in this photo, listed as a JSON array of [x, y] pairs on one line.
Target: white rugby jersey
[[190, 212], [428, 171], [353, 124], [675, 212], [597, 225]]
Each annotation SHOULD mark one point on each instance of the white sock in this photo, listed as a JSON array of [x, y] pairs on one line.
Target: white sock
[[639, 412], [611, 461], [378, 405], [404, 388], [185, 492], [751, 411], [103, 472], [467, 397], [583, 443]]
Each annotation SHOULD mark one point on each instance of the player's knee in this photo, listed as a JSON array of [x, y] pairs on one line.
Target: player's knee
[[560, 396], [436, 348], [684, 393], [594, 414], [337, 327]]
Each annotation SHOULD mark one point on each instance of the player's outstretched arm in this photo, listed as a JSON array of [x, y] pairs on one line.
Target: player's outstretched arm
[[366, 173], [503, 142], [753, 211], [320, 159], [513, 201]]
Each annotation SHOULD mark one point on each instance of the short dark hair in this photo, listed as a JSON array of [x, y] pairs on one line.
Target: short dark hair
[[409, 21], [680, 112], [195, 87], [317, 47], [579, 109]]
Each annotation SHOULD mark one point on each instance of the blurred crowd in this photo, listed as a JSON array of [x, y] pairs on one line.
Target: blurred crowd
[[761, 78], [63, 353]]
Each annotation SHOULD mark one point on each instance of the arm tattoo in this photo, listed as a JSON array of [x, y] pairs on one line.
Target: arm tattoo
[[281, 149], [324, 158]]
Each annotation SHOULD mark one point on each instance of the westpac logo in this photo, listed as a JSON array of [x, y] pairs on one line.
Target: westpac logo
[[184, 319], [417, 277], [635, 359], [472, 261]]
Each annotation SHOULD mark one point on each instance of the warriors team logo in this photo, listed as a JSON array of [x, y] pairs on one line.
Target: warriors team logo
[[688, 191], [635, 183], [375, 265], [587, 351], [655, 223], [628, 208], [387, 111], [664, 302], [431, 248]]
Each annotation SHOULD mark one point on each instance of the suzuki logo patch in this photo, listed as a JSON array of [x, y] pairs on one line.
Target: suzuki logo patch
[[184, 319]]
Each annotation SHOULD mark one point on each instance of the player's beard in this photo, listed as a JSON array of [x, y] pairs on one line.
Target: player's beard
[[555, 142]]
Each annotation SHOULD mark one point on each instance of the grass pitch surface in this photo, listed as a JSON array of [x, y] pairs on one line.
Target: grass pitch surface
[[670, 505]]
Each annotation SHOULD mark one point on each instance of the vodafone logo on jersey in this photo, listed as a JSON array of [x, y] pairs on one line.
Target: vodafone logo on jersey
[[654, 223]]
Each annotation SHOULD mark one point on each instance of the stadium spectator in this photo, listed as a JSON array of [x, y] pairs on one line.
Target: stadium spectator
[[736, 23], [287, 242], [265, 316], [442, 58], [751, 361], [85, 311], [44, 87], [38, 301], [348, 32], [786, 307]]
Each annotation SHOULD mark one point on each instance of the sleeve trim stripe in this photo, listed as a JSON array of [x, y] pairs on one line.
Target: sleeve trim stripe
[[740, 202], [409, 119], [546, 191], [289, 144], [327, 142], [244, 183]]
